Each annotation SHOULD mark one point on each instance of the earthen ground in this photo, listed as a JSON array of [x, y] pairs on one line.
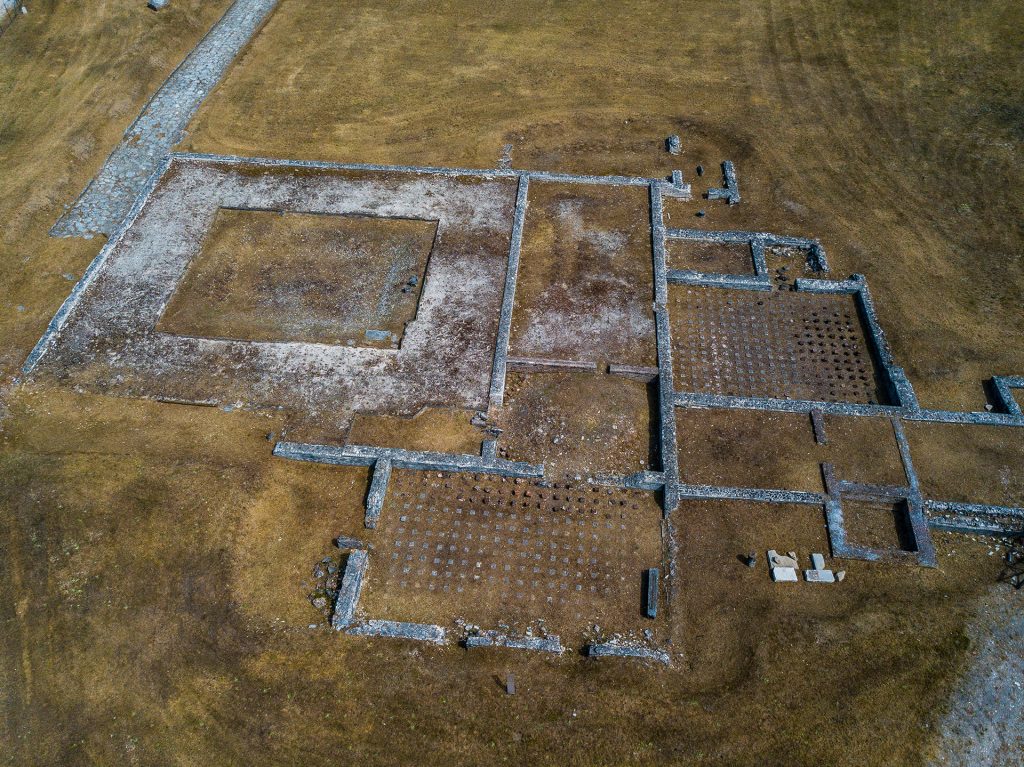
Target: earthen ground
[[492, 551], [276, 276], [748, 449], [156, 560], [580, 423], [709, 257], [442, 430], [585, 276]]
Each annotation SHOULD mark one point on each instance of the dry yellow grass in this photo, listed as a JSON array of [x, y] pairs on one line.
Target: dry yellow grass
[[888, 131], [155, 560]]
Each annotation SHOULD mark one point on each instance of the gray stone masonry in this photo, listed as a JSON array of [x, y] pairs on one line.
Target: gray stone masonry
[[1004, 386], [496, 639], [348, 593], [362, 455], [711, 280], [161, 124], [378, 489], [677, 188], [731, 190], [759, 242], [975, 509], [497, 391], [663, 337], [626, 650], [641, 373], [651, 597], [970, 527], [818, 425], [420, 632], [540, 365]]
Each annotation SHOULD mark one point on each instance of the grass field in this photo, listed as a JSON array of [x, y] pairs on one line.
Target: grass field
[[155, 559]]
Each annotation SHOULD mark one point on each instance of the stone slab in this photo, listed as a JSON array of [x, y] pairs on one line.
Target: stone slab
[[775, 559], [651, 599], [819, 576], [496, 639], [624, 650], [784, 574], [420, 632], [351, 587]]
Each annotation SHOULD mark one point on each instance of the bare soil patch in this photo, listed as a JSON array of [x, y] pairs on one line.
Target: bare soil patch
[[585, 276], [580, 423], [276, 276], [494, 551]]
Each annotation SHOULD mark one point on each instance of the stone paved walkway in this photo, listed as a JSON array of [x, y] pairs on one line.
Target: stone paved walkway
[[109, 196]]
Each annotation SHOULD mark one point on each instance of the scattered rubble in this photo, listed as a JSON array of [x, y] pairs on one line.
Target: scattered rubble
[[778, 560]]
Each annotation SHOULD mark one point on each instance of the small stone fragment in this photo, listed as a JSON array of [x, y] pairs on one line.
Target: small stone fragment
[[775, 559], [510, 684], [673, 144], [651, 600]]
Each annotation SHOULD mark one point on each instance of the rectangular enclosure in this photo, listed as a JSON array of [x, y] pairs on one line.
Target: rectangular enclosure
[[585, 276], [780, 344], [709, 257], [491, 549], [265, 275]]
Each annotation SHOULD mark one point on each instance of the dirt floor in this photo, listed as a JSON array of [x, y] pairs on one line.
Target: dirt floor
[[560, 558], [579, 423], [585, 276], [275, 276], [160, 571], [778, 450]]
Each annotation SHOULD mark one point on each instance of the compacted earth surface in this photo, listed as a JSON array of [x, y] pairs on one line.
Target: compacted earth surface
[[168, 583]]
